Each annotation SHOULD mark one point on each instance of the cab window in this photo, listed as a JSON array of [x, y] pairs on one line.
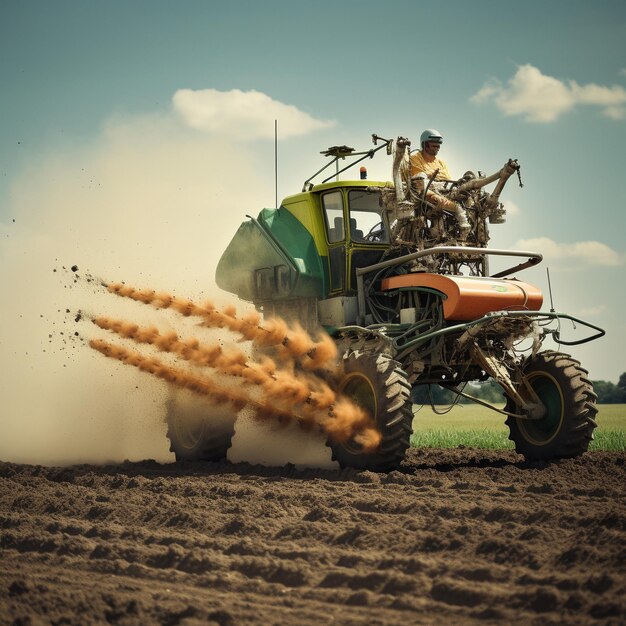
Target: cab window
[[332, 204], [366, 223]]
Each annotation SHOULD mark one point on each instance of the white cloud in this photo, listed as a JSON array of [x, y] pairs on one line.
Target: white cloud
[[243, 114], [541, 98], [581, 253]]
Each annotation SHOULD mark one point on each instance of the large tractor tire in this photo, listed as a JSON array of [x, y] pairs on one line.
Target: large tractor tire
[[567, 427], [196, 430], [376, 382]]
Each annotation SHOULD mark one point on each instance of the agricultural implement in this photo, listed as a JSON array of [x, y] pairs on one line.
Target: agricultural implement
[[391, 271]]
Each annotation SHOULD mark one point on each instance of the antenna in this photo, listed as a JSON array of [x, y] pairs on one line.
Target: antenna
[[550, 290], [276, 162]]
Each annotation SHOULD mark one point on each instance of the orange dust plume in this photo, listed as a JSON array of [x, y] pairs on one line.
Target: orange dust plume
[[284, 397], [172, 375], [273, 332], [284, 383]]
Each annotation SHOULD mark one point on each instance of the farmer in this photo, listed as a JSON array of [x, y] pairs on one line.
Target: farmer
[[424, 165], [426, 160]]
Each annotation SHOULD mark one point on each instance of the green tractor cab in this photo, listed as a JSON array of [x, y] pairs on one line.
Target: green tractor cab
[[304, 255]]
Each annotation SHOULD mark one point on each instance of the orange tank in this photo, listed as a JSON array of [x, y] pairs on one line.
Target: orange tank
[[471, 297]]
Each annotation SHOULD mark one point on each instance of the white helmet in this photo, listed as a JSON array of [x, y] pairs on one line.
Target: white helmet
[[430, 135]]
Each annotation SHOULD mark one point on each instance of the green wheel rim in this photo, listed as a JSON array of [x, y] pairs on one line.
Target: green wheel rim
[[541, 432]]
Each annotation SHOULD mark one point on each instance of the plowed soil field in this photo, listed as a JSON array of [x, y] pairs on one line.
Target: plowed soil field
[[452, 537]]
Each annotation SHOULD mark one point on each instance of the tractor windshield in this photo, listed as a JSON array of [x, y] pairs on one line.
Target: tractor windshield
[[366, 223]]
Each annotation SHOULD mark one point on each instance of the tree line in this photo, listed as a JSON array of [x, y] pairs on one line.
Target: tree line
[[610, 393], [490, 391]]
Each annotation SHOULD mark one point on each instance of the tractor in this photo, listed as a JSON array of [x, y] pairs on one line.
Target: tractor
[[402, 284]]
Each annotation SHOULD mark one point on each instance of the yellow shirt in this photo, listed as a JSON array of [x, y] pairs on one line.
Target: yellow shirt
[[420, 164]]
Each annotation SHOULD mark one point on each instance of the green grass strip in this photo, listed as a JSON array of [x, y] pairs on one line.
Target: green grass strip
[[491, 440], [440, 438], [611, 441], [476, 427]]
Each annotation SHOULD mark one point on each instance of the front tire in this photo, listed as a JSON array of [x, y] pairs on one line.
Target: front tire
[[196, 430], [567, 427], [377, 384]]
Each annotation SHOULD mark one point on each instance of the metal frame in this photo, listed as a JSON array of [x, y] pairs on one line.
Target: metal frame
[[341, 152]]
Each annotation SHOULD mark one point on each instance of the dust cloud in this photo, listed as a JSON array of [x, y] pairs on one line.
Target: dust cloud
[[274, 443], [148, 201], [274, 388]]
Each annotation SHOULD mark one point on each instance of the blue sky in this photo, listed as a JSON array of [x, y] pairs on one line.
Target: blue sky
[[123, 126]]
